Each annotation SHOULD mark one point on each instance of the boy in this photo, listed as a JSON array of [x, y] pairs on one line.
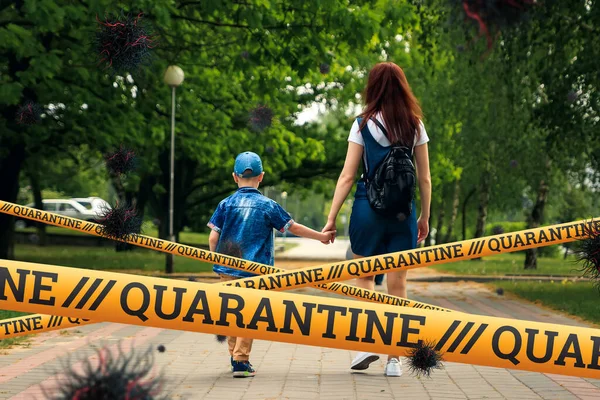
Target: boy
[[242, 226]]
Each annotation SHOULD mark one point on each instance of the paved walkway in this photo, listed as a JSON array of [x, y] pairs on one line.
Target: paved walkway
[[196, 367], [308, 249]]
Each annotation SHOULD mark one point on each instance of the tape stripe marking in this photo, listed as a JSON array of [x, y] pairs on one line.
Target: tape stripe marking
[[474, 339], [460, 337], [89, 293], [75, 291], [103, 294], [447, 335]]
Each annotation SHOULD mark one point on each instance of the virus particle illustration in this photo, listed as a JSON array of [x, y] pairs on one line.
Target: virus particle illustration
[[588, 253], [261, 118], [221, 338], [116, 375], [424, 358], [491, 16], [572, 96], [29, 113], [121, 161], [119, 222], [123, 42]]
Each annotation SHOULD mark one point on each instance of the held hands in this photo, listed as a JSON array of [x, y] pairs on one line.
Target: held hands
[[329, 229], [423, 228], [328, 237]]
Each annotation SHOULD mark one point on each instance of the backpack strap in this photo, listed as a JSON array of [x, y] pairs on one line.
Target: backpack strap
[[366, 133], [370, 145], [408, 150]]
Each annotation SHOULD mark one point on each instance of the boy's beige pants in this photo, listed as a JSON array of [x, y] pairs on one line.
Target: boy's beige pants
[[239, 348]]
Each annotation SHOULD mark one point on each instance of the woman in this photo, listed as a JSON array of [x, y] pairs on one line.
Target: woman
[[390, 101]]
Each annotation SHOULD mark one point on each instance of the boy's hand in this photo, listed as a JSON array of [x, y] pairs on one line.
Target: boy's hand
[[328, 237]]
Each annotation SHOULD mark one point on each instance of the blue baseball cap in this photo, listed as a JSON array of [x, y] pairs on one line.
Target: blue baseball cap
[[247, 165]]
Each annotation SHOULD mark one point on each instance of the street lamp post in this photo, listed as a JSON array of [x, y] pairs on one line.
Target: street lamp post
[[173, 77]]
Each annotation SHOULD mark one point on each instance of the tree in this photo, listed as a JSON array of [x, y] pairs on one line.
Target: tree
[[236, 56]]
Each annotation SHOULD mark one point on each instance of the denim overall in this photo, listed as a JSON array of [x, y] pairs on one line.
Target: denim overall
[[370, 233]]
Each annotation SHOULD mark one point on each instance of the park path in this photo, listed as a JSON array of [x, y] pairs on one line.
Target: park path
[[196, 367]]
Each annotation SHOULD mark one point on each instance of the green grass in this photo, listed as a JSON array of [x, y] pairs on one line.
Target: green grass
[[575, 298], [184, 237], [5, 343], [102, 258], [511, 264]]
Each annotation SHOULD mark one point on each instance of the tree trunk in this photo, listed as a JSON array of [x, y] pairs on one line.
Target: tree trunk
[[440, 223], [535, 220], [428, 240], [184, 176], [37, 199], [464, 213], [10, 168], [455, 203], [484, 200]]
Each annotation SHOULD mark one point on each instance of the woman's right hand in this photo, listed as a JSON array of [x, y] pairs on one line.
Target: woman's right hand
[[423, 228], [330, 227]]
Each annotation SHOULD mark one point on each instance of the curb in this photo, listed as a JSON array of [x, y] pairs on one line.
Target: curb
[[478, 278]]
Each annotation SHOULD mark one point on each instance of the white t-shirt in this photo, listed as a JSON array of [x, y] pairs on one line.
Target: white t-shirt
[[356, 136]]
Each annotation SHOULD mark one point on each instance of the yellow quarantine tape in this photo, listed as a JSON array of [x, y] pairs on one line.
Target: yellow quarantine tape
[[166, 246], [37, 323], [21, 326], [300, 319], [422, 257], [572, 231]]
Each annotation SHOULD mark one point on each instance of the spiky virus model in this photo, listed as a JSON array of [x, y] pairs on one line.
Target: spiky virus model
[[588, 254], [119, 222], [124, 42], [221, 338], [121, 161], [491, 16], [261, 118], [120, 376], [29, 113], [572, 96], [424, 358]]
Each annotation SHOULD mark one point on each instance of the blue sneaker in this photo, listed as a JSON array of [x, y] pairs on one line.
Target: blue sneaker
[[243, 369]]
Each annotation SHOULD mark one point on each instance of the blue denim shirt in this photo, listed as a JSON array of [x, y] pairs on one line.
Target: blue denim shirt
[[245, 221]]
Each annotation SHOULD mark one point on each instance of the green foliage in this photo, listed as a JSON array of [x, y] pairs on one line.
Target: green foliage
[[7, 343], [575, 298], [511, 264], [105, 259], [526, 111], [504, 227]]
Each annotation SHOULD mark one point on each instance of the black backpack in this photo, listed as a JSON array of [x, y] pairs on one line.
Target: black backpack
[[391, 189]]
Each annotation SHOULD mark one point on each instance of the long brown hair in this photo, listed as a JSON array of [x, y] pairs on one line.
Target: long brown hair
[[388, 92]]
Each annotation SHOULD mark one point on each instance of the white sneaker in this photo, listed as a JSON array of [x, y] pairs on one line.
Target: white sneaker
[[363, 360], [393, 367]]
